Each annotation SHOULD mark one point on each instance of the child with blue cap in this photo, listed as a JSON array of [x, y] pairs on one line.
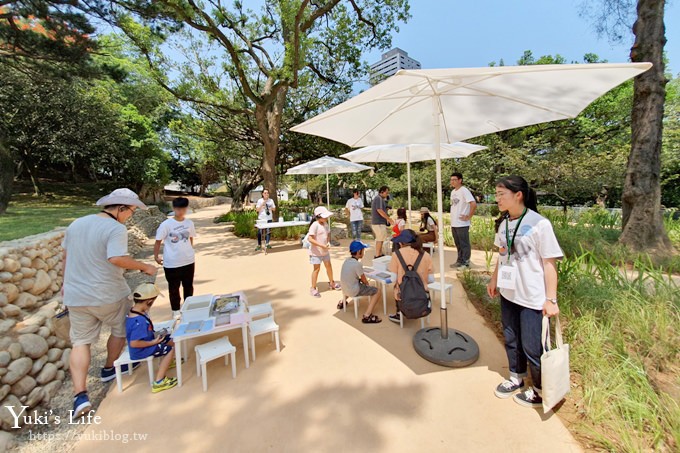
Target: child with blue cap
[[354, 282]]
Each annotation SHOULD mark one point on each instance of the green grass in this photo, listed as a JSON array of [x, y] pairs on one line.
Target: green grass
[[63, 203], [625, 351]]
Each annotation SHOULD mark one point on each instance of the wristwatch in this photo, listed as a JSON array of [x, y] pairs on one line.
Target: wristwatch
[[554, 301]]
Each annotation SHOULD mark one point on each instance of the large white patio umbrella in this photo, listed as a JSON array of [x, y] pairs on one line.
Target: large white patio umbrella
[[449, 105], [327, 165], [418, 152]]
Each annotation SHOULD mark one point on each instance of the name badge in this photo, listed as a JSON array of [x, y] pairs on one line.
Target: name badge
[[507, 275]]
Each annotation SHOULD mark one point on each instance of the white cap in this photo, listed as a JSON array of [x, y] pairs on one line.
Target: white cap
[[121, 196], [322, 212]]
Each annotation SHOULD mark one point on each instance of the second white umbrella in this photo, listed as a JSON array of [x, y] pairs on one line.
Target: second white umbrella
[[417, 152]]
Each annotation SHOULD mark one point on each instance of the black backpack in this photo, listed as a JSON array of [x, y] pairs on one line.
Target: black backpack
[[415, 299]]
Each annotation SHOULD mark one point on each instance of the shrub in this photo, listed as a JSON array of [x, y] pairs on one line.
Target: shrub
[[244, 225]]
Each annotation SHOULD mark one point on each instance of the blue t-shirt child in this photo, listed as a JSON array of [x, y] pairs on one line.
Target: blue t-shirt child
[[139, 328]]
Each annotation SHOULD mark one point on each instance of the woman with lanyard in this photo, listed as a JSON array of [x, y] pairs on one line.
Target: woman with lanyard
[[526, 276]]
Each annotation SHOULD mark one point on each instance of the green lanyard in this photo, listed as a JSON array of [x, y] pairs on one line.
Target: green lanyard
[[514, 233]]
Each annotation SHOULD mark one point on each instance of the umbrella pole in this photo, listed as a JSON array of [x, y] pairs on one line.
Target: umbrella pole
[[328, 192], [408, 178], [451, 348], [440, 219]]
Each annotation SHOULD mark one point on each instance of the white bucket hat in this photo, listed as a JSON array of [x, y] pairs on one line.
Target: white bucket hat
[[121, 196], [322, 212]]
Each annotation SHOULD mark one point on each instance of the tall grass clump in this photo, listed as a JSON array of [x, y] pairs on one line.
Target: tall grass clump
[[624, 332]]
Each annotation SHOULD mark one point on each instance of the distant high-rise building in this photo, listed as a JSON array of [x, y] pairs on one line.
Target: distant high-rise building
[[390, 63]]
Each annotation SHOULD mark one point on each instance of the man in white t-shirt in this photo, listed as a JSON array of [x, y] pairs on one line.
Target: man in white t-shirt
[[463, 207], [95, 290], [356, 216], [177, 235], [265, 208]]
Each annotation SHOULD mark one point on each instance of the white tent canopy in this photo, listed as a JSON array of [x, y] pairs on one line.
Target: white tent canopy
[[327, 165], [449, 105], [417, 152]]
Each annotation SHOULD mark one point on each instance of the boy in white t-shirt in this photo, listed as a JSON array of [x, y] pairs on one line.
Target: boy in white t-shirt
[[265, 208], [177, 236], [463, 207], [356, 216]]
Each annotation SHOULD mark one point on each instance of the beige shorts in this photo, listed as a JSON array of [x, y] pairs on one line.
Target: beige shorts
[[380, 232], [86, 322]]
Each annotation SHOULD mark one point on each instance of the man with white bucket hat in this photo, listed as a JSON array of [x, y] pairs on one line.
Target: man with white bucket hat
[[95, 291]]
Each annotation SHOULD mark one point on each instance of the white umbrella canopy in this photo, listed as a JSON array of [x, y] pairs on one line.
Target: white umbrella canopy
[[449, 105], [472, 102], [327, 165], [417, 152]]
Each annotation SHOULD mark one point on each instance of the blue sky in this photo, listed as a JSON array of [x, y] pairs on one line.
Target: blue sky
[[458, 33]]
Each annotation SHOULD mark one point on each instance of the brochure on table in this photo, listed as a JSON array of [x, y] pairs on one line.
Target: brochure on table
[[205, 312]]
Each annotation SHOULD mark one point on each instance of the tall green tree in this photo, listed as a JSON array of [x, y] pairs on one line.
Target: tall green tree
[[38, 36], [265, 53], [643, 226]]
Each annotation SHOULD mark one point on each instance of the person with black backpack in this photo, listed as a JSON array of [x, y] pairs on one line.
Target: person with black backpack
[[413, 267]]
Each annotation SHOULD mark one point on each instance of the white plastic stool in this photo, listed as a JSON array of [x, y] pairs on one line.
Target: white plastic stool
[[432, 246], [262, 326], [125, 359], [261, 310], [436, 287], [422, 321], [355, 301], [215, 349]]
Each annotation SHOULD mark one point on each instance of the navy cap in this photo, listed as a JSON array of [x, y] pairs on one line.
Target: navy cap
[[356, 246], [405, 237]]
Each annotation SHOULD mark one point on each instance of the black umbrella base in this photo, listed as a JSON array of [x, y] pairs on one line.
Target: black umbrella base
[[456, 351]]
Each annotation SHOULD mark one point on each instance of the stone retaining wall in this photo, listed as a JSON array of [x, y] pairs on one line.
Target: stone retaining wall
[[33, 360]]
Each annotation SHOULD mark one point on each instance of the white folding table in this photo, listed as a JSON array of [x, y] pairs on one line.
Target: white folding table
[[286, 224], [239, 320], [383, 278]]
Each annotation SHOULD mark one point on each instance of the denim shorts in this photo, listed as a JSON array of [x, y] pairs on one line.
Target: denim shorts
[[319, 259]]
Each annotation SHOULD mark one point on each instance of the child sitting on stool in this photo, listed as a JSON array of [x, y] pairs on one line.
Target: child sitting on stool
[[354, 282], [143, 341]]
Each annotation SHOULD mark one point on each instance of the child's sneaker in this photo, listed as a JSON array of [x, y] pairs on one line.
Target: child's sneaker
[[529, 398], [269, 247], [508, 388], [81, 405], [165, 384], [258, 248]]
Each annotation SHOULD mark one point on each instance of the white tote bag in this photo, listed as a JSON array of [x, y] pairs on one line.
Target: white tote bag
[[554, 366]]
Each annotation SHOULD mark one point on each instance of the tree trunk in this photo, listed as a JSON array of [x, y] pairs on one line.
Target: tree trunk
[[6, 176], [32, 173], [268, 116], [643, 227]]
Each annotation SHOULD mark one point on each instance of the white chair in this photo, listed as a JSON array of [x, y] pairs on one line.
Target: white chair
[[262, 326], [432, 246], [125, 359], [355, 301], [422, 321], [437, 287], [261, 310], [215, 349]]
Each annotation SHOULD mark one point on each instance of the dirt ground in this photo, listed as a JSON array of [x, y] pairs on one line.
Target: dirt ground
[[337, 385]]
